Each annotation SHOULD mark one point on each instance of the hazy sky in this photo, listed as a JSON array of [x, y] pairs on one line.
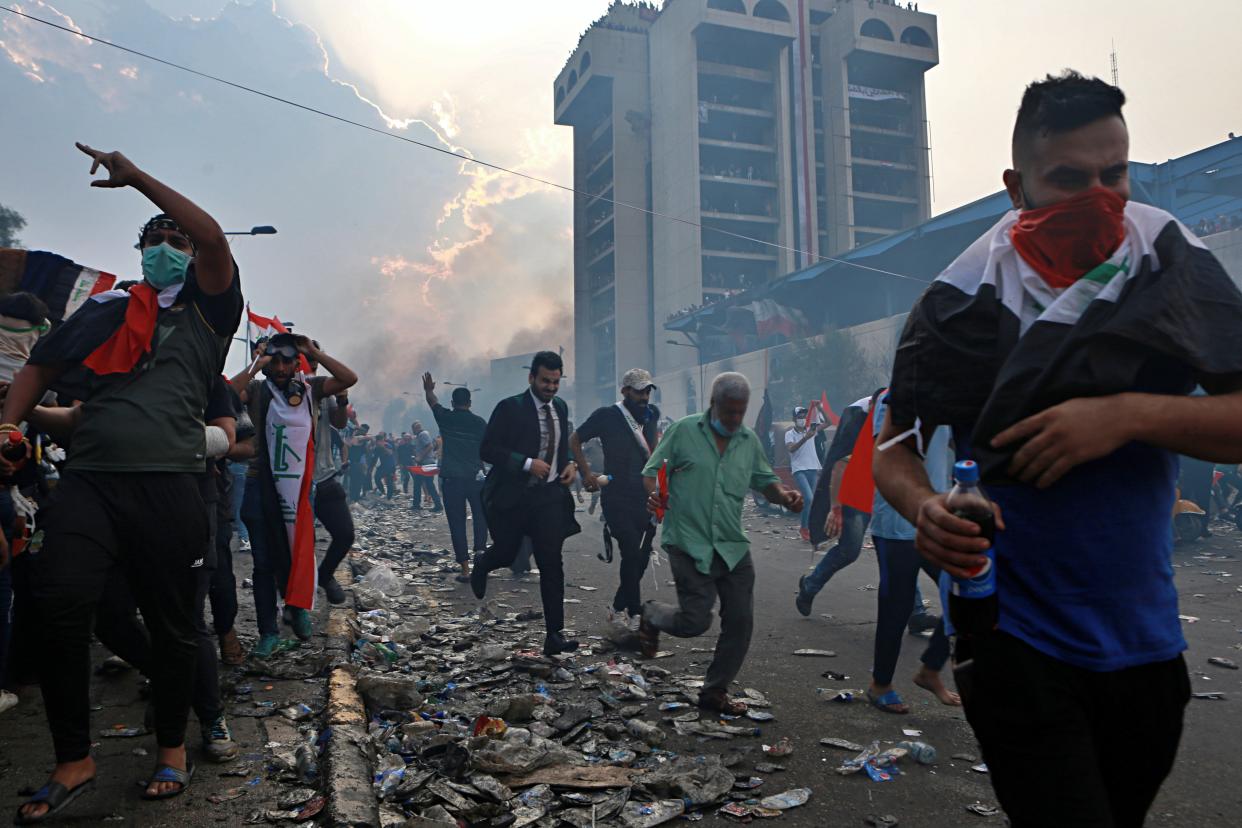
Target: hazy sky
[[401, 259]]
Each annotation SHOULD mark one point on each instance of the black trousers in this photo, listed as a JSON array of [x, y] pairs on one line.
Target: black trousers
[[628, 527], [540, 515], [421, 483], [1100, 743], [152, 527], [900, 564], [332, 510], [222, 590], [457, 493]]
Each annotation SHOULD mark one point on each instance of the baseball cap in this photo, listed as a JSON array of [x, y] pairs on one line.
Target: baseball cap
[[799, 411], [637, 378]]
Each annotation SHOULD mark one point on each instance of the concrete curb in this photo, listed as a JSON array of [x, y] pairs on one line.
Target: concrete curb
[[347, 766]]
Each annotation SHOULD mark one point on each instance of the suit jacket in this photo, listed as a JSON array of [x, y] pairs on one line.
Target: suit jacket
[[512, 436]]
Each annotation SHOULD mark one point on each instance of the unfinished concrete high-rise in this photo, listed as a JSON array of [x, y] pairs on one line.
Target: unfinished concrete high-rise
[[755, 136]]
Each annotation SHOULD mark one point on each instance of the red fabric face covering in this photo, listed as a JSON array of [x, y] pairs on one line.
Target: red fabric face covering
[[1063, 241]]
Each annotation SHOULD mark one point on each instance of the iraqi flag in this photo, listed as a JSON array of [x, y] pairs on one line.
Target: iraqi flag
[[425, 470], [291, 455], [771, 317], [62, 284], [989, 343], [258, 327]]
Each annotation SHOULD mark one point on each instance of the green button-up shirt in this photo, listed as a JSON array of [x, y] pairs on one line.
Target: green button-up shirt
[[707, 488]]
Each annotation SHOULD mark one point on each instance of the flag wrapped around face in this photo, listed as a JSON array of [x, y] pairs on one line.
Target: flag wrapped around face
[[989, 343], [291, 452]]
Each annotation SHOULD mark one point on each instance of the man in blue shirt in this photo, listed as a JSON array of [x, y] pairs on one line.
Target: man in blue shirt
[[1062, 347]]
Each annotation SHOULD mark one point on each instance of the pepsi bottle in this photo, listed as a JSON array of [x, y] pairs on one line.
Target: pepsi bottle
[[973, 607]]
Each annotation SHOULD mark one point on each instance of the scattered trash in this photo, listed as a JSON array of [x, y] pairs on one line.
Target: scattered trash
[[1228, 664], [983, 810], [920, 752], [1213, 695], [885, 821], [834, 675], [122, 732], [783, 747], [1189, 619], [811, 653], [843, 744], [982, 767], [792, 798], [911, 732]]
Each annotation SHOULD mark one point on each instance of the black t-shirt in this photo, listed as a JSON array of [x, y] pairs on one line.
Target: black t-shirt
[[623, 457], [150, 419]]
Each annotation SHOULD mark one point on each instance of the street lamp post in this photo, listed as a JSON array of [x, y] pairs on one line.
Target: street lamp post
[[259, 230]]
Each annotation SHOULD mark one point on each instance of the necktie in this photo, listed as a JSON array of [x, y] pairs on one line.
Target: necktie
[[549, 447]]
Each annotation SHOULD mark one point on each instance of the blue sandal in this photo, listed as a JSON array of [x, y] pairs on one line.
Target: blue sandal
[[56, 797], [890, 702], [167, 773]]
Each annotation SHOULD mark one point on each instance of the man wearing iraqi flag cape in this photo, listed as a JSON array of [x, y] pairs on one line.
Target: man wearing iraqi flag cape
[[276, 507], [1062, 348]]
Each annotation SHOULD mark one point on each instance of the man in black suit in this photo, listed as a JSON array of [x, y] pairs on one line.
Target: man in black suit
[[527, 490]]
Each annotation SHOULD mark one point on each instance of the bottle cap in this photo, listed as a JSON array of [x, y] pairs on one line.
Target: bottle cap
[[15, 437], [966, 471]]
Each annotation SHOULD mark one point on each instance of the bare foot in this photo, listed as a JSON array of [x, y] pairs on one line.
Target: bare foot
[[930, 681], [167, 756], [69, 774]]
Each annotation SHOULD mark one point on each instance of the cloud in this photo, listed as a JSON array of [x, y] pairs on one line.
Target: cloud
[[399, 259]]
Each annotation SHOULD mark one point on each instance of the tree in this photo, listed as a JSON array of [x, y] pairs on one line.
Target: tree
[[11, 223], [832, 363]]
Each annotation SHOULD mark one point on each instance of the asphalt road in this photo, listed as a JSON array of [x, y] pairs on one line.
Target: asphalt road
[[1199, 792]]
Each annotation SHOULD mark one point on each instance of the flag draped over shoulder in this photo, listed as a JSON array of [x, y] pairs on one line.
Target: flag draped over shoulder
[[989, 343], [62, 284]]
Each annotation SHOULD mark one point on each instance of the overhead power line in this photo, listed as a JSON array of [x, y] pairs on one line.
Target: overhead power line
[[443, 151]]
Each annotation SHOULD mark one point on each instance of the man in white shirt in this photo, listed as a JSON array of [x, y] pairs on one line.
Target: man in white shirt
[[804, 462]]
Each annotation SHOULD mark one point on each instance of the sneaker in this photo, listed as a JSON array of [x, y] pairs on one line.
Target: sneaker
[[244, 545], [7, 700], [923, 622], [300, 620], [334, 591], [265, 646], [231, 652], [218, 744], [803, 601]]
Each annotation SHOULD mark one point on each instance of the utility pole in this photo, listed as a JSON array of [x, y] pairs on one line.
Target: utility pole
[[1112, 59]]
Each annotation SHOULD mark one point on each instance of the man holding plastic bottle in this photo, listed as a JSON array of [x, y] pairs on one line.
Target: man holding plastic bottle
[[1062, 347]]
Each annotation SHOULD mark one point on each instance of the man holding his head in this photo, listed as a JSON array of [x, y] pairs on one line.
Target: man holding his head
[[711, 461]]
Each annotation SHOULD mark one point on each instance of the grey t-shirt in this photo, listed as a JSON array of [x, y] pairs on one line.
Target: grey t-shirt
[[424, 448], [325, 463]]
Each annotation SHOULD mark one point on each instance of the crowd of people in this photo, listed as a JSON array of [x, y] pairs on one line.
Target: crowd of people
[[1033, 361]]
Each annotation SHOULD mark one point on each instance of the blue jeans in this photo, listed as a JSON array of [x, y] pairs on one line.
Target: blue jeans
[[806, 480], [238, 470], [270, 574], [853, 530]]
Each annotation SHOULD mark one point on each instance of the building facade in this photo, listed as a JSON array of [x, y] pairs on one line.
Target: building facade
[[754, 136]]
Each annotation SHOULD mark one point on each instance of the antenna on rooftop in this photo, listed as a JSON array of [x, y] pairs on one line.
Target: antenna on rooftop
[[1112, 59]]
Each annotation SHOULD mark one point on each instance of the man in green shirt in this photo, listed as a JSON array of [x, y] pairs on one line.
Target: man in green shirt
[[713, 461]]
